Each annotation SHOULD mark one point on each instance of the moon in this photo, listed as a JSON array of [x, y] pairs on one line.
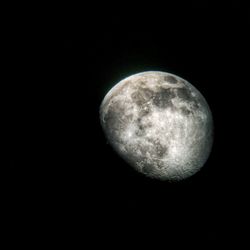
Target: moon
[[159, 123]]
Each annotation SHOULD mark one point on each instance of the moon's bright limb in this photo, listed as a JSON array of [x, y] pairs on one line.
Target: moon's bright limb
[[159, 123]]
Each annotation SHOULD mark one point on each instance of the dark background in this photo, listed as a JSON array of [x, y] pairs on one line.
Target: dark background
[[65, 184]]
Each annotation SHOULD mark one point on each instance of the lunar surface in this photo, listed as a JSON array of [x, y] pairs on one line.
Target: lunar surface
[[159, 124]]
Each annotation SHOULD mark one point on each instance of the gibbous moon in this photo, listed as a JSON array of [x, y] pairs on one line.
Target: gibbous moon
[[159, 124]]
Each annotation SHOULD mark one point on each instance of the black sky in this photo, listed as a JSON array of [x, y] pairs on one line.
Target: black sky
[[65, 182]]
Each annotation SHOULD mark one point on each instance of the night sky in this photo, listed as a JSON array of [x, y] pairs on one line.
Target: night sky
[[66, 184]]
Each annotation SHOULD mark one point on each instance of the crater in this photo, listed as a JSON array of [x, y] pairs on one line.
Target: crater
[[159, 149], [144, 111], [140, 130], [185, 111], [118, 108], [141, 151], [170, 79], [129, 117], [195, 104]]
